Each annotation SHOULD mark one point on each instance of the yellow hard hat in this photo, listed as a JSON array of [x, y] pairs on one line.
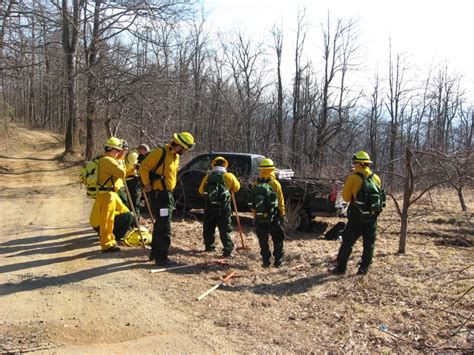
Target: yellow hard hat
[[216, 159], [266, 163], [144, 146], [124, 144], [184, 139], [361, 157], [113, 142]]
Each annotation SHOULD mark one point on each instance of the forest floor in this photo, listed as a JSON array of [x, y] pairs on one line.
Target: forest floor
[[59, 294]]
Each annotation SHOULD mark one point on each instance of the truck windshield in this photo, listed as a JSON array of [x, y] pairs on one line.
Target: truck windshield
[[200, 163], [255, 163], [239, 165]]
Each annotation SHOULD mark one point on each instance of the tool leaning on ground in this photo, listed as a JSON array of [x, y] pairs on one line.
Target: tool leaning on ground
[[226, 278], [239, 226], [216, 262], [147, 203], [134, 215]]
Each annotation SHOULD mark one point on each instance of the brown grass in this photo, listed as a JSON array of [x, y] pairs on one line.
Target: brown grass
[[419, 301]]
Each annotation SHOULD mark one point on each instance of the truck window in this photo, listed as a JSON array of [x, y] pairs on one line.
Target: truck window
[[239, 165], [200, 163], [256, 162]]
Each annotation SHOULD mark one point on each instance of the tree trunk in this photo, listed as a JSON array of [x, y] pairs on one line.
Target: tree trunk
[[5, 16], [278, 46], [70, 23], [403, 233], [462, 201], [107, 121], [391, 152], [31, 94], [91, 85], [407, 192], [46, 101], [72, 135]]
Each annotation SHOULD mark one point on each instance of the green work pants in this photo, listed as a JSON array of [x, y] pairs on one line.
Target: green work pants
[[220, 218], [354, 229], [134, 186], [123, 196], [275, 229], [162, 204]]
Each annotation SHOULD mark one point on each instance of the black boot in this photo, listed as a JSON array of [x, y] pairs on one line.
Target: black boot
[[113, 249], [338, 271], [278, 263]]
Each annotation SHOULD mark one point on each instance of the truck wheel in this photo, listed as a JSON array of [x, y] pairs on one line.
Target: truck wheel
[[180, 205], [297, 217], [304, 220]]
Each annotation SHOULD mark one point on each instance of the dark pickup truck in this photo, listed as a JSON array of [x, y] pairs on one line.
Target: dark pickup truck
[[305, 198]]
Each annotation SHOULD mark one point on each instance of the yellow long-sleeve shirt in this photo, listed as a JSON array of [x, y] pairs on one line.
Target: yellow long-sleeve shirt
[[169, 168], [131, 161], [110, 167], [354, 183], [230, 182], [276, 186]]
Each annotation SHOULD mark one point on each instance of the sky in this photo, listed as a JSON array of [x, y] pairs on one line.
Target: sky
[[427, 33]]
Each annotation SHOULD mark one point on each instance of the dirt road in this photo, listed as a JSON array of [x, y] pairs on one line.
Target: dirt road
[[58, 292]]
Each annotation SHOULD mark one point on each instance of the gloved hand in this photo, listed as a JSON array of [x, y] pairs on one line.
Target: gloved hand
[[147, 187], [282, 220]]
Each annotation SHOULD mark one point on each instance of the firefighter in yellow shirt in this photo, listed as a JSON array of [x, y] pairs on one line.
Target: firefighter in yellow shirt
[[159, 173], [216, 187], [268, 207], [133, 159], [109, 214], [359, 224], [120, 184]]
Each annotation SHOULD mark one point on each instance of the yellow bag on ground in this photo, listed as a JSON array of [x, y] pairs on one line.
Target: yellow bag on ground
[[132, 239]]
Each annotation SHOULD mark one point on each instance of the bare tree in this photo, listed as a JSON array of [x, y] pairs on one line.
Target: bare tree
[[91, 52], [199, 55], [277, 34], [110, 20], [297, 82], [420, 176], [5, 13], [339, 49], [459, 170], [70, 37], [374, 120], [247, 73], [447, 99], [396, 103]]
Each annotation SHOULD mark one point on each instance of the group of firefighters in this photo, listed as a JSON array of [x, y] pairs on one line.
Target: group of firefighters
[[154, 174]]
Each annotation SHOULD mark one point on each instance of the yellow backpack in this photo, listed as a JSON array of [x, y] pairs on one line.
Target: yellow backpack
[[88, 176], [132, 239]]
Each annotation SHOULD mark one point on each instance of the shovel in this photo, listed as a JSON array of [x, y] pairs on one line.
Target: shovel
[[227, 278], [147, 203], [217, 262], [239, 226]]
